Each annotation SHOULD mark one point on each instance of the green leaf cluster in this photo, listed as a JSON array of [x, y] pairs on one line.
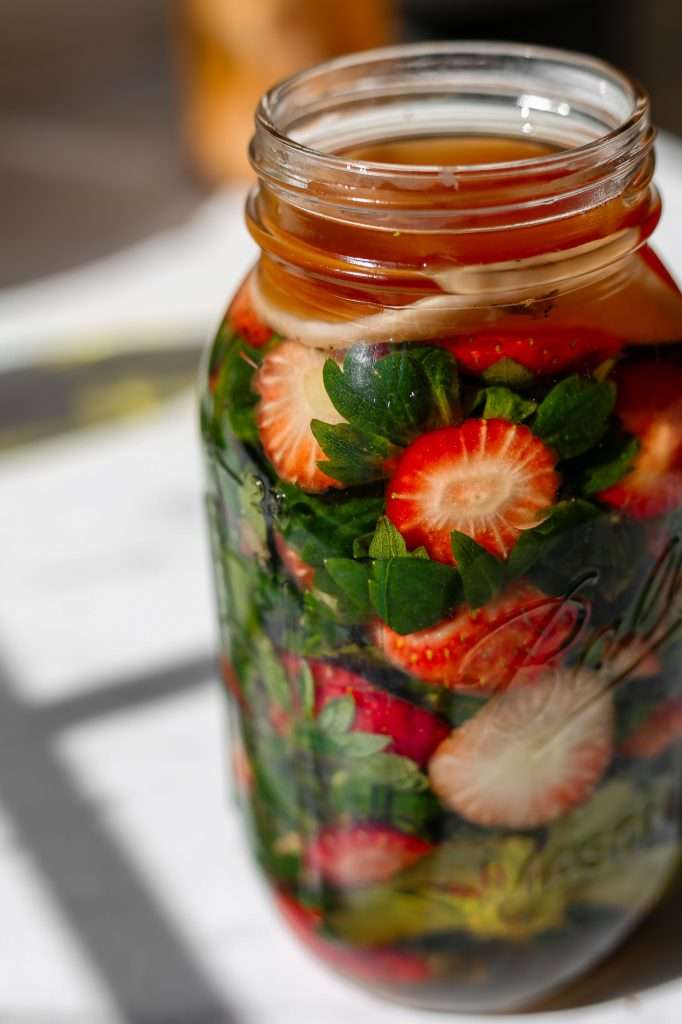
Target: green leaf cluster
[[234, 399], [574, 415], [386, 403]]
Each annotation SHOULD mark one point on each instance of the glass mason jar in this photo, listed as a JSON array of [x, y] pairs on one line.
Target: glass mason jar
[[442, 423]]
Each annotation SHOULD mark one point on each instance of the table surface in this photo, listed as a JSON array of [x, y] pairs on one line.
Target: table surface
[[126, 891]]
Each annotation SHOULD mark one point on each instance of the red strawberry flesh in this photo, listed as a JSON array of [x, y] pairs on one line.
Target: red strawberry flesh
[[367, 854], [301, 573], [542, 350], [659, 732], [372, 965], [489, 479], [649, 404], [483, 651], [244, 320], [414, 732]]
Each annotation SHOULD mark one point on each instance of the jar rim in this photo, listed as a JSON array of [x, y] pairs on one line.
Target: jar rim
[[271, 113]]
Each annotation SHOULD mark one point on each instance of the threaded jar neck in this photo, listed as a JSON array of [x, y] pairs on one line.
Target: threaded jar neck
[[581, 206]]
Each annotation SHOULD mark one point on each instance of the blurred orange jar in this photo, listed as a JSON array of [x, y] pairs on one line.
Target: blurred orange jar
[[231, 51], [442, 424]]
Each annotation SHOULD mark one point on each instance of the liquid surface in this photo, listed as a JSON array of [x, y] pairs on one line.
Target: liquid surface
[[449, 151], [361, 266]]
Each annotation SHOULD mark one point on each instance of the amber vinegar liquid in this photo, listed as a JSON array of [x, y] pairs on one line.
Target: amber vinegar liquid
[[351, 268]]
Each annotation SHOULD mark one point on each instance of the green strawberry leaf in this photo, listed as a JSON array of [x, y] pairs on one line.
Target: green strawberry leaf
[[352, 579], [574, 415], [536, 543], [234, 397], [337, 716], [361, 545], [316, 630], [611, 462], [270, 670], [362, 799], [442, 374], [362, 744], [306, 689], [413, 593], [502, 403], [324, 526], [388, 397], [353, 456], [393, 770], [387, 541], [508, 373], [483, 575]]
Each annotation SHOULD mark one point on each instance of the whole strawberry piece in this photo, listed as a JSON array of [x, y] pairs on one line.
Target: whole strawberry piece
[[530, 754], [289, 382], [649, 404], [483, 651], [490, 479], [355, 855]]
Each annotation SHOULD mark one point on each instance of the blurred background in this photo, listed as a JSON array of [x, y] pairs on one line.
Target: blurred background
[[125, 890], [117, 117]]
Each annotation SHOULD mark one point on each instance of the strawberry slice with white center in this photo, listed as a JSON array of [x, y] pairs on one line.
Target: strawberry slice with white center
[[483, 651], [490, 479], [289, 382], [649, 404], [362, 854], [530, 754]]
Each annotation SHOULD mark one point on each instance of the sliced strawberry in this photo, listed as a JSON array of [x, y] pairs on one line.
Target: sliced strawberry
[[301, 573], [483, 651], [244, 320], [530, 754], [242, 772], [649, 404], [657, 733], [302, 919], [655, 263], [289, 382], [280, 719], [385, 965], [231, 680], [362, 854], [489, 479], [541, 349]]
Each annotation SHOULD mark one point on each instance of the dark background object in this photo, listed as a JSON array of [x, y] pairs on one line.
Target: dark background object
[[642, 38], [90, 150], [90, 153]]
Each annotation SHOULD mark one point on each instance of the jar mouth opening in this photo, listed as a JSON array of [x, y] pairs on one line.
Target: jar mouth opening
[[584, 107]]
